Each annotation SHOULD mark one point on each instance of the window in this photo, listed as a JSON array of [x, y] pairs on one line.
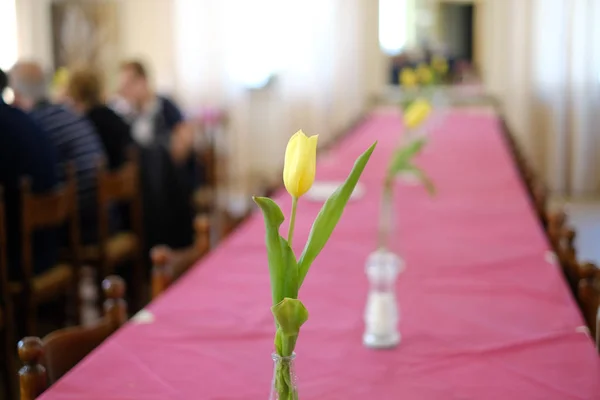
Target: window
[[8, 33], [392, 26]]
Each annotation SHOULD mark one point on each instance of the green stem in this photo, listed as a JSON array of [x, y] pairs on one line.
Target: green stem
[[283, 375], [292, 220], [385, 216]]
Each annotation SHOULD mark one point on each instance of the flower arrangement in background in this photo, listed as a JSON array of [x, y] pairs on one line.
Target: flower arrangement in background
[[423, 81], [287, 273], [402, 163]]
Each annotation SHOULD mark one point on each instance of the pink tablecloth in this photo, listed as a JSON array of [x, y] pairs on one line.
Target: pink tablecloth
[[485, 313]]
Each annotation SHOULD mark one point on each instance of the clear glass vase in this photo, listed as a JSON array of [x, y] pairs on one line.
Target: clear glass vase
[[283, 385]]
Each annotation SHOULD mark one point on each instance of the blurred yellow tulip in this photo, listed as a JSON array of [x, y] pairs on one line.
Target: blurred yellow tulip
[[416, 113], [408, 78], [300, 164], [424, 74], [61, 77], [440, 65]]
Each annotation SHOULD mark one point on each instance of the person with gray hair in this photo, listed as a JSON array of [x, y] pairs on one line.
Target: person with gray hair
[[73, 136], [25, 150]]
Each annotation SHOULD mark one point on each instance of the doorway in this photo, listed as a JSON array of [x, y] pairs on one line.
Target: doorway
[[457, 30]]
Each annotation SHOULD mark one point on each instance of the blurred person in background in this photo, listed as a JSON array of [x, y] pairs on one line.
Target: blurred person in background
[[154, 118], [25, 151], [73, 136], [166, 143], [84, 94]]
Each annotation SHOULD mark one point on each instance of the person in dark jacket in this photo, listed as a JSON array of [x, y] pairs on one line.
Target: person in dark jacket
[[84, 94], [73, 136], [167, 167], [25, 151]]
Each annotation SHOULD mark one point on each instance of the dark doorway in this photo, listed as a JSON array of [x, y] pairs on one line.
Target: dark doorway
[[457, 30]]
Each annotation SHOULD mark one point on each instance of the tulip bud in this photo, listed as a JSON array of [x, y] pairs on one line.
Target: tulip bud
[[300, 164], [424, 74], [440, 65], [416, 113], [408, 78]]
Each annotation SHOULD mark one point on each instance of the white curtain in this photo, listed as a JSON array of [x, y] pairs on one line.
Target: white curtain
[[8, 33], [542, 60], [317, 51], [567, 85]]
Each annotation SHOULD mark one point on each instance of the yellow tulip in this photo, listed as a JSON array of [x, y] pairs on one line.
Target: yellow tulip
[[408, 78], [424, 74], [416, 113], [61, 77], [440, 65], [300, 163]]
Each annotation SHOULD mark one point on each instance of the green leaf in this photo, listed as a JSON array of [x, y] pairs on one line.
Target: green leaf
[[290, 315], [405, 104], [403, 156], [423, 178], [330, 214], [283, 268]]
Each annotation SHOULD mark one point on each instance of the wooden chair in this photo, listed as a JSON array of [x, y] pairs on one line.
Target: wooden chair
[[45, 361], [168, 265], [6, 315], [555, 227], [119, 187], [55, 209], [589, 299], [564, 246]]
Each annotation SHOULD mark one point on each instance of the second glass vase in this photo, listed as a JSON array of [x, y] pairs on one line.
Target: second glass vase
[[283, 385]]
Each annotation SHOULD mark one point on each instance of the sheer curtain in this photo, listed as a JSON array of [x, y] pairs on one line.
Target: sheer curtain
[[542, 60], [567, 88], [316, 51], [8, 33]]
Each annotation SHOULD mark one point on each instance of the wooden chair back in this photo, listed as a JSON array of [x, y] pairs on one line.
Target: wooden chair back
[[54, 209], [555, 227], [122, 187], [589, 299], [119, 186], [45, 361], [168, 264]]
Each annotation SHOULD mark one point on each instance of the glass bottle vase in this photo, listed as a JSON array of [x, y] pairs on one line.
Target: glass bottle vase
[[283, 385]]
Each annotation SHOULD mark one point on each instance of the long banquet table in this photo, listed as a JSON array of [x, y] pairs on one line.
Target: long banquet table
[[485, 311]]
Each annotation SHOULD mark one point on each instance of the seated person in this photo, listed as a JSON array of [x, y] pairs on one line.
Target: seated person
[[84, 95], [73, 136], [25, 150], [167, 167]]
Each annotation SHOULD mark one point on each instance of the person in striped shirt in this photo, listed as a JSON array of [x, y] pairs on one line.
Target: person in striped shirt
[[73, 136]]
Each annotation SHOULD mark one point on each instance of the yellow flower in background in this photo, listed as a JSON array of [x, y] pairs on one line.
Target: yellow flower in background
[[440, 65], [300, 163], [416, 113], [61, 78], [425, 74], [408, 78]]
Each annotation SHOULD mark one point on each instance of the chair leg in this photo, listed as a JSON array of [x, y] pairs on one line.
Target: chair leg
[[74, 301], [138, 280], [8, 367]]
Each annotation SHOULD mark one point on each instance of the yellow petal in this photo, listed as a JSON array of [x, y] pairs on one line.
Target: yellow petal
[[408, 78], [424, 74], [300, 163], [440, 64], [416, 113]]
